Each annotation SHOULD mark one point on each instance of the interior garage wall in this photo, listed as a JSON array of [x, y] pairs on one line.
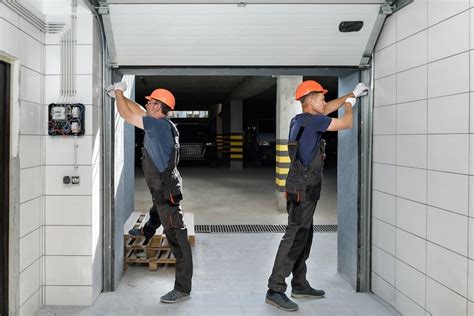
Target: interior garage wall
[[423, 160], [55, 230], [23, 45]]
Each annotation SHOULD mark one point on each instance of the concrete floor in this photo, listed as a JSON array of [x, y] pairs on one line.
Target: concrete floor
[[221, 196], [231, 270]]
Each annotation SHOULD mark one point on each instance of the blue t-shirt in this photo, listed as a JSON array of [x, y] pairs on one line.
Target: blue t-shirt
[[315, 125], [158, 141]]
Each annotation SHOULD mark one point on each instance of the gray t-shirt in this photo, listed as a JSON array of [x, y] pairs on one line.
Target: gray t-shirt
[[158, 141]]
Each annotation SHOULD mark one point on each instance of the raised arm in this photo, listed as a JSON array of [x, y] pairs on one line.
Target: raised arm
[[360, 90], [127, 109], [345, 121]]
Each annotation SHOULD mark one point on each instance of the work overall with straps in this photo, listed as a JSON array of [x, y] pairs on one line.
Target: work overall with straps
[[166, 191], [303, 189]]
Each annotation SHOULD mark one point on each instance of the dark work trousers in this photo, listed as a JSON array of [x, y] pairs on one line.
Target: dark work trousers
[[294, 248], [171, 217]]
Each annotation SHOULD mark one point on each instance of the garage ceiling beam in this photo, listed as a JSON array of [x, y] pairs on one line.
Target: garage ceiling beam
[[252, 86]]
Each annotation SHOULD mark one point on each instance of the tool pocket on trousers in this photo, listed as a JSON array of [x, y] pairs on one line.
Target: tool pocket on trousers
[[174, 219]]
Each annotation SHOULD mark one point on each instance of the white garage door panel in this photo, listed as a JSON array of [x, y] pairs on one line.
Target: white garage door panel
[[228, 35]]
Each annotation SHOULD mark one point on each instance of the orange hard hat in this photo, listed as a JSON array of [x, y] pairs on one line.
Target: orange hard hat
[[308, 86], [164, 96]]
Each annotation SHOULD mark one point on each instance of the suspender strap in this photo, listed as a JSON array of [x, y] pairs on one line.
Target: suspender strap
[[302, 127]]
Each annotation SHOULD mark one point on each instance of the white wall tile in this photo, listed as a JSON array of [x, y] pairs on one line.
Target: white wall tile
[[31, 306], [84, 61], [471, 154], [9, 15], [412, 118], [449, 37], [383, 289], [83, 86], [31, 52], [60, 150], [9, 42], [29, 282], [411, 150], [385, 120], [471, 111], [449, 114], [30, 184], [30, 86], [412, 19], [417, 43], [411, 84], [448, 191], [29, 249], [54, 180], [384, 149], [447, 268], [383, 264], [410, 282], [84, 29], [31, 118], [471, 196], [386, 91], [68, 295], [385, 62], [31, 30], [470, 280], [383, 207], [471, 70], [68, 270], [411, 184], [384, 177], [470, 308], [447, 229], [68, 210], [411, 216], [52, 63], [383, 236], [442, 301], [30, 151], [452, 70], [449, 153], [439, 10], [30, 216], [68, 240], [406, 306], [471, 238], [388, 35], [411, 249]]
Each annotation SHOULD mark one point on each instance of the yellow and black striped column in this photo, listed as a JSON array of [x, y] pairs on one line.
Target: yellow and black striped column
[[220, 145], [236, 147], [225, 146], [282, 163]]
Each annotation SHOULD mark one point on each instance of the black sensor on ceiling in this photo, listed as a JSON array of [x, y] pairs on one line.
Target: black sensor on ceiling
[[350, 26]]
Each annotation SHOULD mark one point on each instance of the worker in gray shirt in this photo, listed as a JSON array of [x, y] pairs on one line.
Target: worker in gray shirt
[[160, 158]]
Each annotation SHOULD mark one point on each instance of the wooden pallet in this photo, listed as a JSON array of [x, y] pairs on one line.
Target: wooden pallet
[[157, 251]]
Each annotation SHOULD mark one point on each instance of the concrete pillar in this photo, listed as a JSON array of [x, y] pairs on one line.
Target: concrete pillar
[[287, 108], [236, 135]]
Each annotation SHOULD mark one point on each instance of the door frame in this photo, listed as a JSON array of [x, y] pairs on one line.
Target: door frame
[[4, 184]]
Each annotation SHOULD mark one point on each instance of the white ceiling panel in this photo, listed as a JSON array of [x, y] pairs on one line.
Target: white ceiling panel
[[231, 35]]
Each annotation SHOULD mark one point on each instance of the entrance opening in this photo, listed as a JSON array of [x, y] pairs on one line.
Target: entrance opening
[[4, 182]]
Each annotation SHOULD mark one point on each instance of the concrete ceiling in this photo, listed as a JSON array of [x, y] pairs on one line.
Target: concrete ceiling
[[252, 33]]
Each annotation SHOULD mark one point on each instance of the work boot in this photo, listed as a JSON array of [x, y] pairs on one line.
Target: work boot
[[281, 301], [138, 232], [307, 292], [174, 296]]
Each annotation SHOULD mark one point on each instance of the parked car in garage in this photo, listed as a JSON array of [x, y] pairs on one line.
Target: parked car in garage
[[260, 142]]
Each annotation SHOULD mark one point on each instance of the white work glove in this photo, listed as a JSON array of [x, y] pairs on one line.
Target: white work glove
[[121, 86], [110, 91], [360, 90], [352, 101]]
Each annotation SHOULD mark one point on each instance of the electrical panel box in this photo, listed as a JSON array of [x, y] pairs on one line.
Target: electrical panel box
[[66, 119]]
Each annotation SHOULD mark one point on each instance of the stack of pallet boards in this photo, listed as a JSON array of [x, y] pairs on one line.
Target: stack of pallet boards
[[157, 251]]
